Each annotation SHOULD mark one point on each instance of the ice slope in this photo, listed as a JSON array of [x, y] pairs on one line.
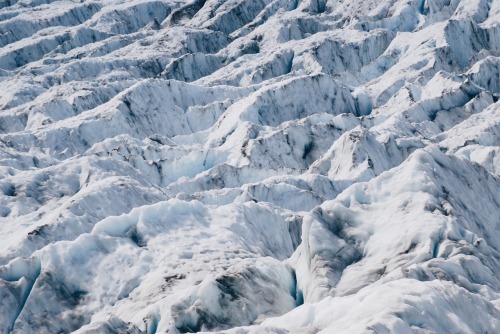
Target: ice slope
[[238, 166]]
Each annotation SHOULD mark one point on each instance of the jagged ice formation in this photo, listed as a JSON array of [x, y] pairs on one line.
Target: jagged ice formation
[[249, 166]]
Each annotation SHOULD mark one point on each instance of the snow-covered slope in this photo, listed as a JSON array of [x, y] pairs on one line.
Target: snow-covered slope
[[250, 166]]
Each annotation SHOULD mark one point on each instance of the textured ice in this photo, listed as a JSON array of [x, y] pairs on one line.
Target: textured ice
[[249, 166]]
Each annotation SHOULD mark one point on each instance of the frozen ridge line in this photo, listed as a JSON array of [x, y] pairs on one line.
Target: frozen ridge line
[[249, 166]]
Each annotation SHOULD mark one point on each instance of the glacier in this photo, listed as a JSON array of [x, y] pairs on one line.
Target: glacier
[[249, 166]]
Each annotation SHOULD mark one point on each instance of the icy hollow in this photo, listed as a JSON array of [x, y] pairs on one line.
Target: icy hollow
[[249, 166]]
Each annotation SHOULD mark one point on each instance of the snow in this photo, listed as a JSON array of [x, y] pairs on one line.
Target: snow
[[237, 166]]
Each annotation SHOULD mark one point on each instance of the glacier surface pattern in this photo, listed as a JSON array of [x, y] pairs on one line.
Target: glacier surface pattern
[[249, 166]]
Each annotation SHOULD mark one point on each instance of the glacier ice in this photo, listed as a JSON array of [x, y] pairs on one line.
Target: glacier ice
[[250, 166]]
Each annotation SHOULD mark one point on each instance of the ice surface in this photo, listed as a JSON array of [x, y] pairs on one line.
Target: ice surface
[[240, 166]]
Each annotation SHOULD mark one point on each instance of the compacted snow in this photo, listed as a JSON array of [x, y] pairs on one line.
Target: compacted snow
[[249, 166]]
